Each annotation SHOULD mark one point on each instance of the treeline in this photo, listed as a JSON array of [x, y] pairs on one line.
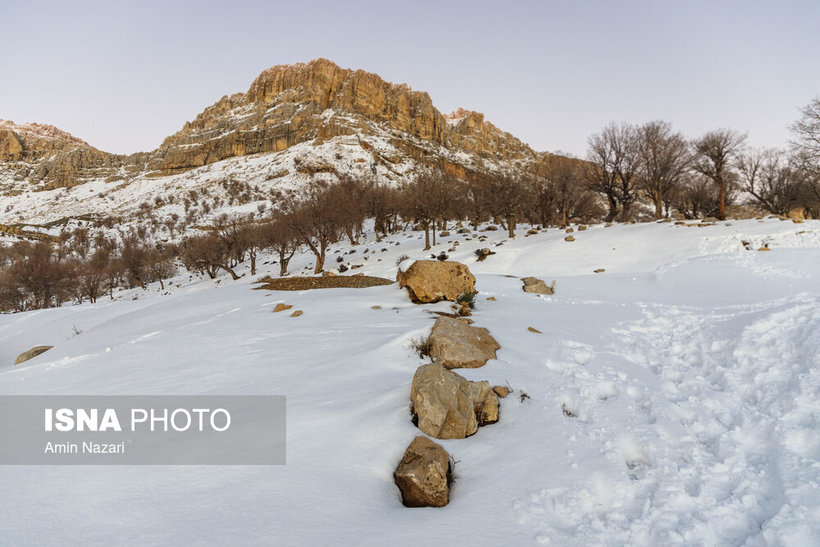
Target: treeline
[[630, 172], [628, 164]]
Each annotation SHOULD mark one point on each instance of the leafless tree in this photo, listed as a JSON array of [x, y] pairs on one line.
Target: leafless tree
[[506, 196], [278, 235], [425, 199], [806, 148], [316, 221], [774, 183], [664, 158], [614, 158], [715, 153]]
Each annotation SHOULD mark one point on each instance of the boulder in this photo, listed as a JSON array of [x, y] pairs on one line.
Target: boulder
[[424, 474], [454, 343], [485, 403], [31, 354], [430, 281], [538, 286], [443, 403]]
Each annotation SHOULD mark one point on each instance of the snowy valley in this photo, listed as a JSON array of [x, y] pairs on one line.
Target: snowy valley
[[672, 398]]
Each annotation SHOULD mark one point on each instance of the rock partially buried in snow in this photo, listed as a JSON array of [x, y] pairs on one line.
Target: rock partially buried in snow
[[443, 403], [485, 403], [537, 286], [281, 307], [455, 344], [31, 354], [297, 313], [424, 474], [430, 281]]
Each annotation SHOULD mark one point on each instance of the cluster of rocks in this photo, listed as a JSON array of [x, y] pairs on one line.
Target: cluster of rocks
[[444, 404]]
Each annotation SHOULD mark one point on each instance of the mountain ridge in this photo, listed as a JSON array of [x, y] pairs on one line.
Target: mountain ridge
[[285, 105]]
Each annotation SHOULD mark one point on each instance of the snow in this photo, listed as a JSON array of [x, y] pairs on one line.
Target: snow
[[672, 399]]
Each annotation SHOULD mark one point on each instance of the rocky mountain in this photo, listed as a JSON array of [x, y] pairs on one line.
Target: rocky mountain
[[294, 123]]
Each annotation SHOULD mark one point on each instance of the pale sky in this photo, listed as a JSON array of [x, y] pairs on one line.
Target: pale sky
[[124, 75]]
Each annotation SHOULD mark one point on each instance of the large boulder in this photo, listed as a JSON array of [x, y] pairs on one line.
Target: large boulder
[[537, 286], [31, 354], [454, 343], [424, 474], [432, 280], [443, 403]]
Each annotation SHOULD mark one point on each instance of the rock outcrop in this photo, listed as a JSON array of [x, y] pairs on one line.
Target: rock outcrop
[[285, 105], [53, 158], [453, 343], [430, 281], [31, 354], [424, 474]]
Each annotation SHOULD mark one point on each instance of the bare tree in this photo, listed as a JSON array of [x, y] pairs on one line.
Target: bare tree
[[715, 153], [614, 158], [506, 196], [316, 221], [806, 148], [381, 202], [425, 199], [664, 159], [279, 236], [207, 253], [774, 183]]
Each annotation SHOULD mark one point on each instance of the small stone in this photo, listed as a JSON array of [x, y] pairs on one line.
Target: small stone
[[297, 313], [533, 329], [375, 307], [501, 391], [600, 270], [491, 298], [281, 307], [569, 238]]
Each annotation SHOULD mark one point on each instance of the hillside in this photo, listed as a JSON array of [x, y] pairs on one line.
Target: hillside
[[689, 367], [294, 124]]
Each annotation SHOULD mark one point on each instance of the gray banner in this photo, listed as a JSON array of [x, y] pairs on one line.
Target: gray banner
[[133, 430]]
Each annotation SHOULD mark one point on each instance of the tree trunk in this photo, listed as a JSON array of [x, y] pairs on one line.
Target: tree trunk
[[613, 209], [230, 271], [721, 215], [625, 212], [426, 236], [511, 225], [320, 257]]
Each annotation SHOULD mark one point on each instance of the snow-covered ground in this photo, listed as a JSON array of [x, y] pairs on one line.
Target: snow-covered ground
[[690, 364]]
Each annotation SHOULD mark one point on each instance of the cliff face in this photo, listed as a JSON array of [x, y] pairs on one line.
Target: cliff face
[[44, 154], [284, 106], [289, 104]]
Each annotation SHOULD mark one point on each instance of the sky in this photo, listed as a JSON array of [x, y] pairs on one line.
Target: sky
[[125, 75]]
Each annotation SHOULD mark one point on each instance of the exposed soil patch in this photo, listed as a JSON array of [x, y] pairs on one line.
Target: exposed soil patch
[[328, 282]]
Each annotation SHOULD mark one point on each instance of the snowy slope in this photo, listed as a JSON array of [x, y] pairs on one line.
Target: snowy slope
[[691, 365]]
